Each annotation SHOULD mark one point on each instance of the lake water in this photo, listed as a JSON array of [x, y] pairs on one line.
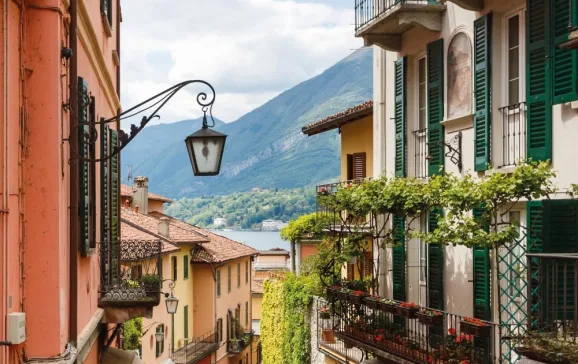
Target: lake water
[[260, 240]]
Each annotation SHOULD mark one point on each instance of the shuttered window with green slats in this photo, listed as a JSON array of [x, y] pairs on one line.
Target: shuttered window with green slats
[[481, 262], [186, 267], [564, 62], [83, 166], [482, 91], [114, 205], [104, 184], [400, 117], [435, 105], [435, 265], [399, 258]]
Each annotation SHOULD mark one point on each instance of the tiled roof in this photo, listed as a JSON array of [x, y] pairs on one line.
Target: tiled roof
[[127, 191], [334, 121], [219, 248], [256, 285], [274, 251], [177, 234], [130, 232]]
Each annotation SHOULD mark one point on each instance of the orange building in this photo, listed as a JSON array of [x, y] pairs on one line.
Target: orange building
[[60, 68]]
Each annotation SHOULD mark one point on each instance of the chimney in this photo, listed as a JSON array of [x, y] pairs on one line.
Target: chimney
[[141, 195], [164, 226]]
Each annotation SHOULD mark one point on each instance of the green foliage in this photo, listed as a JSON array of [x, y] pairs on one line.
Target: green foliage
[[245, 210], [306, 226], [548, 348], [132, 334], [285, 321]]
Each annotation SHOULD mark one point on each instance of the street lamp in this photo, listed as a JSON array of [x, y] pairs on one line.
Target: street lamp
[[172, 303], [205, 146], [159, 336]]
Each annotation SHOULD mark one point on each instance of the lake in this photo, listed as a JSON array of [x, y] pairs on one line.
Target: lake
[[260, 240]]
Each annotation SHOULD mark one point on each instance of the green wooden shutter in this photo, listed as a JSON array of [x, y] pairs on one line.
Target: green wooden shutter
[[435, 105], [399, 258], [481, 262], [104, 184], [186, 267], [482, 91], [186, 322], [538, 83], [218, 282], [564, 62], [83, 167], [435, 266], [114, 189], [400, 117]]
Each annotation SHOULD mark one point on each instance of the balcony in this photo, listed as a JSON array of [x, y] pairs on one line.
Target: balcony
[[237, 344], [553, 307], [405, 335], [421, 153], [130, 286], [196, 350], [513, 134], [329, 345], [382, 22]]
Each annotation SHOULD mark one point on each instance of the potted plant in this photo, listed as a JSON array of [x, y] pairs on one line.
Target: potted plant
[[322, 191], [327, 336], [151, 283], [333, 292], [430, 317], [355, 297], [476, 327], [388, 305], [372, 301], [408, 310], [324, 313]]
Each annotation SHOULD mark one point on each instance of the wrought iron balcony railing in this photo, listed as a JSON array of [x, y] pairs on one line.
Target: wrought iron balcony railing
[[238, 344], [553, 304], [388, 330], [197, 349], [421, 153], [368, 10], [514, 134], [130, 274]]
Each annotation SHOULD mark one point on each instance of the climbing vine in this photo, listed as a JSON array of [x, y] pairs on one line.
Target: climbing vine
[[310, 225], [132, 334], [272, 322]]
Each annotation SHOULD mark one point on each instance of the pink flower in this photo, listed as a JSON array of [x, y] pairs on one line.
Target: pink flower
[[452, 331]]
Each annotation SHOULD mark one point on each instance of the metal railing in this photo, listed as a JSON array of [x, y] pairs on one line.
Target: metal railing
[[553, 305], [135, 278], [331, 346], [238, 344], [197, 349], [402, 333], [514, 134], [421, 153], [368, 10]]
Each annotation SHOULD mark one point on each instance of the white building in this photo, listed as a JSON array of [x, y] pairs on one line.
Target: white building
[[220, 222]]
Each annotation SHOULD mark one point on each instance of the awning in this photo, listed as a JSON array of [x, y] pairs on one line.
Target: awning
[[116, 356]]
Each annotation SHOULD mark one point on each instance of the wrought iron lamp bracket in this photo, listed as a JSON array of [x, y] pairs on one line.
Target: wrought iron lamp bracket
[[454, 152], [204, 100], [171, 285]]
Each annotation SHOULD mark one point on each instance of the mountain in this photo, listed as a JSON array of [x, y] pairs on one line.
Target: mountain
[[265, 148]]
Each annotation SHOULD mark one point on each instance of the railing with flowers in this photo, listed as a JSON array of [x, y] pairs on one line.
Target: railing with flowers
[[327, 343], [408, 331], [136, 281]]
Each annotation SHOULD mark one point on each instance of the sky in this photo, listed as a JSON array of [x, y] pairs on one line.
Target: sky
[[249, 50]]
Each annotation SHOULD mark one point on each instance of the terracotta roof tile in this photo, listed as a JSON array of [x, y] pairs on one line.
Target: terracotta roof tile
[[219, 248], [368, 105], [177, 234], [127, 191]]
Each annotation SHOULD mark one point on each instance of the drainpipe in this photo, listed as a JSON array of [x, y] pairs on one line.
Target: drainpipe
[[4, 261], [74, 170]]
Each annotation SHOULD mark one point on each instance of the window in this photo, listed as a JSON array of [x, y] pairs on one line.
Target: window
[[513, 63], [218, 283], [186, 321], [160, 346], [246, 313], [356, 166], [186, 267], [229, 279], [220, 330], [238, 275], [174, 267], [459, 97], [422, 90], [246, 271], [106, 11]]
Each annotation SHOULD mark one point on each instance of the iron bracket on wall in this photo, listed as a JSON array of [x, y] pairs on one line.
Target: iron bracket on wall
[[454, 152]]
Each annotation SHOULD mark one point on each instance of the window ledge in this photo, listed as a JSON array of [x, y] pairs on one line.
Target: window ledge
[[459, 123], [106, 26]]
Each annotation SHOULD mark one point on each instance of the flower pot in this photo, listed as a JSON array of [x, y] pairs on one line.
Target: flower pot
[[332, 293], [324, 315], [477, 331], [327, 336], [389, 308], [371, 303], [430, 320], [410, 313], [355, 299]]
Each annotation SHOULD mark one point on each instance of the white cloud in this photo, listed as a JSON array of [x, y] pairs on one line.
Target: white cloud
[[250, 50]]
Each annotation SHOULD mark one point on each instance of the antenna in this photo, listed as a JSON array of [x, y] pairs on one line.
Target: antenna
[[129, 178]]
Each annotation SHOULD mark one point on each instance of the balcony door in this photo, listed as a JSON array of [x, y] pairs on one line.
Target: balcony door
[[356, 166]]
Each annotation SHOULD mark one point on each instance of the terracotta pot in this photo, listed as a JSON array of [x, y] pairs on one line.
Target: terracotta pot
[[477, 331], [324, 315], [327, 336], [355, 299]]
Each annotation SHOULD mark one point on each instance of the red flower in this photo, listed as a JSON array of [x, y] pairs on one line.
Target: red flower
[[469, 337], [431, 360], [465, 362], [452, 331]]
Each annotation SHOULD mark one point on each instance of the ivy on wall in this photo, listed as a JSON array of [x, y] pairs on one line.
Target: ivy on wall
[[272, 322], [132, 334]]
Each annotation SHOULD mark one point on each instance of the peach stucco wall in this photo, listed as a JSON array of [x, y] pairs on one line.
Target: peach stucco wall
[[155, 206], [34, 185], [204, 305], [184, 292], [307, 250]]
